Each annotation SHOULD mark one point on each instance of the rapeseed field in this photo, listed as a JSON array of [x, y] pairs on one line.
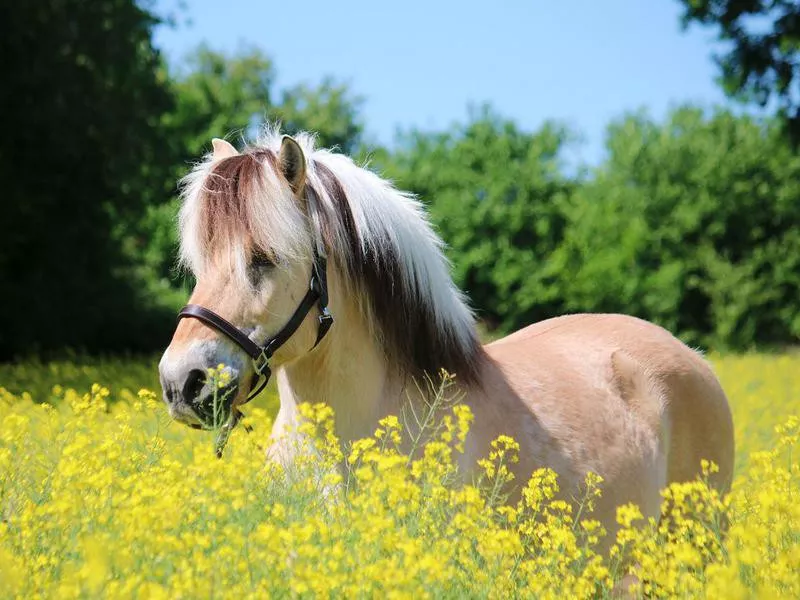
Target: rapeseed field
[[101, 495]]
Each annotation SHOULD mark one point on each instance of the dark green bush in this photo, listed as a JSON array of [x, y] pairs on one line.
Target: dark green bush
[[695, 224], [497, 195]]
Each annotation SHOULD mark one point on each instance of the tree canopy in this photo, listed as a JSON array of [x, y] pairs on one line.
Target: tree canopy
[[497, 195], [82, 157], [691, 223], [96, 133], [762, 63]]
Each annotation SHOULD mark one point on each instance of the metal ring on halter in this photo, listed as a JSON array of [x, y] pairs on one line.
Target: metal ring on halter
[[261, 363]]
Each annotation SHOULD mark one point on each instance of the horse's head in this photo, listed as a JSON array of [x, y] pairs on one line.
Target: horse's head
[[261, 295], [256, 228]]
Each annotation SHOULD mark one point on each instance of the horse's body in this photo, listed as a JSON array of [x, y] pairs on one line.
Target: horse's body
[[614, 395], [604, 393], [610, 394]]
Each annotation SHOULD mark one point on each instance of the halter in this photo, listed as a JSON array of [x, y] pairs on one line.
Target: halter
[[317, 294]]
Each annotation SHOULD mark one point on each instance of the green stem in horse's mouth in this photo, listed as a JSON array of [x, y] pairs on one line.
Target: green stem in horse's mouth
[[225, 431]]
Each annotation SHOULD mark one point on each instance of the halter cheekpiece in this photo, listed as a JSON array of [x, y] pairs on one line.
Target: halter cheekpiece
[[317, 294]]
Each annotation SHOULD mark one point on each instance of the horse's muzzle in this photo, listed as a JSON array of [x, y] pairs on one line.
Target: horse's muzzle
[[199, 401]]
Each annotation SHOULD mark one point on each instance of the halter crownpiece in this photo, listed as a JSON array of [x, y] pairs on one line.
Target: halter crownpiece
[[317, 294]]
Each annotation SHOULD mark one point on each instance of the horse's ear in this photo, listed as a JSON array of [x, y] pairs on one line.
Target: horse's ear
[[223, 149], [293, 163]]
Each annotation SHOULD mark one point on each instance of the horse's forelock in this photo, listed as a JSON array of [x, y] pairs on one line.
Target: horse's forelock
[[235, 206]]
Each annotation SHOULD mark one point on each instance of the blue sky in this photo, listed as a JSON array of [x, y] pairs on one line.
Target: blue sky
[[422, 63]]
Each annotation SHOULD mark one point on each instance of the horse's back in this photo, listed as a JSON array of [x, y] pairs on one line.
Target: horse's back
[[644, 404]]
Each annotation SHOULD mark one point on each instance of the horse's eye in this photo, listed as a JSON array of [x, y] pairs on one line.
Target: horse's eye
[[260, 263]]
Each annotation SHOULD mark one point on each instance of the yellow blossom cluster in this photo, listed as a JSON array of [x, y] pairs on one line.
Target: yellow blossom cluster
[[101, 495]]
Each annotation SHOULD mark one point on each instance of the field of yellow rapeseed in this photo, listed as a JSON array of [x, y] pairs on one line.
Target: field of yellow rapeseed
[[102, 496]]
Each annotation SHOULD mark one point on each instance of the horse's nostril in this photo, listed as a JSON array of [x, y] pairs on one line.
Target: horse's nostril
[[169, 394], [194, 383]]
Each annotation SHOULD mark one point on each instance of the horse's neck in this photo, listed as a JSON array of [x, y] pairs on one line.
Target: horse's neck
[[349, 373]]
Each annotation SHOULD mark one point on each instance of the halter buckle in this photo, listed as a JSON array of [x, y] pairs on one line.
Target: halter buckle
[[325, 323], [326, 318]]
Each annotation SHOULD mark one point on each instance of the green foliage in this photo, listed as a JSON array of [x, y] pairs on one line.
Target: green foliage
[[691, 223], [763, 61], [217, 96], [330, 111], [82, 157], [96, 134], [694, 224], [497, 196], [221, 95]]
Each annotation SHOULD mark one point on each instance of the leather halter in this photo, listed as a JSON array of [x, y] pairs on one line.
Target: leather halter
[[317, 294]]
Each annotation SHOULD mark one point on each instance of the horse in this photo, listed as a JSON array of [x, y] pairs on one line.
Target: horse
[[284, 237]]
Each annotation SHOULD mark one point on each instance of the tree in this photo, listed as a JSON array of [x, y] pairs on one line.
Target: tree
[[497, 195], [219, 95], [763, 63], [82, 155], [328, 110], [691, 223]]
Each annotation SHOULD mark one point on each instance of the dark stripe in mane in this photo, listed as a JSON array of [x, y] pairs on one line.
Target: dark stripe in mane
[[411, 337], [225, 218]]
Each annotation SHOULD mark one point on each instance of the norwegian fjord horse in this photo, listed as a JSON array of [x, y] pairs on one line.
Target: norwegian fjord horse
[[284, 238]]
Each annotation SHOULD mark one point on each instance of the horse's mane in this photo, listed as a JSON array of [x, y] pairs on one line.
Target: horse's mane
[[377, 236]]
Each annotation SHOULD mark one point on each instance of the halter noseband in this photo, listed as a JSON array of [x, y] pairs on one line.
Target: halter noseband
[[317, 294]]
